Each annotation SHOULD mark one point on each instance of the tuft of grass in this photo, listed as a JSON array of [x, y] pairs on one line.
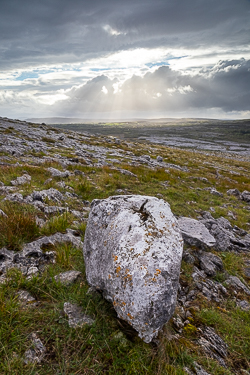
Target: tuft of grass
[[57, 224], [18, 227]]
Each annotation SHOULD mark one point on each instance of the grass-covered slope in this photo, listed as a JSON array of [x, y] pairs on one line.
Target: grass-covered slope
[[98, 167]]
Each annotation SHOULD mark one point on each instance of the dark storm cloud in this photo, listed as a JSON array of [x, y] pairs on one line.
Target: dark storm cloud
[[61, 31], [226, 86]]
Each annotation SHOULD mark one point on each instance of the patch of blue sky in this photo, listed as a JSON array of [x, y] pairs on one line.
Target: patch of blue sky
[[160, 63], [27, 75], [102, 69]]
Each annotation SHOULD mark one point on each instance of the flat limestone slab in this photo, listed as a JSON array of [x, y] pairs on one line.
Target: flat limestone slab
[[132, 250]]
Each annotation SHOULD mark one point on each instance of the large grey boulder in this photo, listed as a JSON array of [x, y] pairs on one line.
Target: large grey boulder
[[133, 250], [195, 233]]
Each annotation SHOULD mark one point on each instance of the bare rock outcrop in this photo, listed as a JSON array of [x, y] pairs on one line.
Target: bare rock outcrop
[[132, 250]]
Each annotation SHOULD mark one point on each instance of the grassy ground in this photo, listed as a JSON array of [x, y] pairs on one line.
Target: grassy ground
[[110, 346]]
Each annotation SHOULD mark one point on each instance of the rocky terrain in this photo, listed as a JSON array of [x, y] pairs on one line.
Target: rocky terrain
[[52, 320]]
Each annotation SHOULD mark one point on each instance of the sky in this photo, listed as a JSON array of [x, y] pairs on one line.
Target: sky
[[122, 59]]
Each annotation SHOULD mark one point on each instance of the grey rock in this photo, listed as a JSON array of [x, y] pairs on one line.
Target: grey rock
[[209, 263], [56, 173], [32, 258], [243, 305], [15, 197], [76, 317], [235, 282], [50, 194], [26, 178], [37, 352], [25, 298], [159, 159], [213, 345], [132, 251], [234, 192], [195, 233], [213, 191], [227, 239], [68, 277], [212, 290], [245, 196]]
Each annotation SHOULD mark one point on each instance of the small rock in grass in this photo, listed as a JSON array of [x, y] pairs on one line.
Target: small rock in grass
[[25, 298], [159, 159], [244, 305], [56, 173], [235, 282], [68, 277], [76, 316], [245, 196], [234, 192], [37, 352], [21, 180]]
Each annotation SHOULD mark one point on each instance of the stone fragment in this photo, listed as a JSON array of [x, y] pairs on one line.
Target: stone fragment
[[21, 180], [213, 191], [245, 196], [50, 194], [37, 352], [235, 282], [213, 345], [209, 263], [159, 159], [243, 305], [68, 277], [15, 197], [56, 173], [195, 233], [76, 317], [234, 192], [25, 298], [132, 251]]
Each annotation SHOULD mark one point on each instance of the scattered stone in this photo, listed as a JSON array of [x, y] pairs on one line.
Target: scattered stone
[[195, 233], [132, 251], [234, 192], [68, 277], [235, 282], [25, 298], [159, 159], [213, 191], [56, 173], [37, 352], [76, 317], [245, 196], [15, 197], [21, 180], [211, 290], [244, 305]]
